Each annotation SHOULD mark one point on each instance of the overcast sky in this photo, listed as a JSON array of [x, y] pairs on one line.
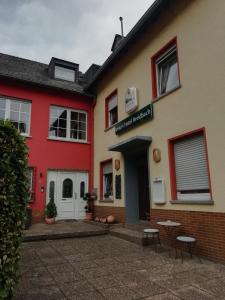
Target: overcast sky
[[81, 31]]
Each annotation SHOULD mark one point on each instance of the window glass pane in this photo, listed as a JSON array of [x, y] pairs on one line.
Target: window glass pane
[[14, 116], [107, 185], [54, 112], [2, 114], [14, 105], [74, 116], [22, 127], [53, 131], [25, 107], [54, 122], [67, 188], [51, 190], [73, 134], [82, 135], [82, 117], [62, 123], [2, 103], [173, 79], [61, 132], [82, 126], [113, 116], [82, 189], [74, 125], [62, 114]]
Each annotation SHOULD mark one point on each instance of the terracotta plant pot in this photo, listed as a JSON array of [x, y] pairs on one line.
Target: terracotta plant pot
[[89, 216], [49, 221], [110, 219]]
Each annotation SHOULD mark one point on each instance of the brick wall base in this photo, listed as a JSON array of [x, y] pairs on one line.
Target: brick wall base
[[104, 211], [207, 227]]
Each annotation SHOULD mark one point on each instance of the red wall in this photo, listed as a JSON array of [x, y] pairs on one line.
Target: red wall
[[47, 154]]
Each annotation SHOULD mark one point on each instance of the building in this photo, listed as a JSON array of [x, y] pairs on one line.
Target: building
[[159, 120], [150, 141], [48, 105]]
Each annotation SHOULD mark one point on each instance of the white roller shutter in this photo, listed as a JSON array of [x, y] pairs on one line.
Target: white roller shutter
[[191, 165], [107, 168], [112, 102]]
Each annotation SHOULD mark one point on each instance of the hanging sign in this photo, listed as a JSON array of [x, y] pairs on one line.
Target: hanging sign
[[131, 100], [143, 115]]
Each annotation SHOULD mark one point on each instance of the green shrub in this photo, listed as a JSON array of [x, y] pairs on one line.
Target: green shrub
[[13, 199], [51, 210]]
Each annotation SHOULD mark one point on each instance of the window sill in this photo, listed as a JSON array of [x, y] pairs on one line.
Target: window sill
[[166, 94], [27, 136], [67, 140], [106, 201], [108, 128], [195, 202]]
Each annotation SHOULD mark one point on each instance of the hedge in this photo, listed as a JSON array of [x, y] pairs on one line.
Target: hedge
[[13, 199]]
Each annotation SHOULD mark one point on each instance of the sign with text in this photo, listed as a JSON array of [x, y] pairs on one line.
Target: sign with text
[[131, 100], [137, 118]]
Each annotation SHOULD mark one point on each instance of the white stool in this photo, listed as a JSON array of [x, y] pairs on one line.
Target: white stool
[[150, 233], [189, 242]]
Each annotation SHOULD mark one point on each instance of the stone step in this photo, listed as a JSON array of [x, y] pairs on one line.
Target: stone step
[[62, 230], [128, 235]]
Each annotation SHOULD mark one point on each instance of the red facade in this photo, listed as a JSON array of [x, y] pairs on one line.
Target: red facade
[[46, 154]]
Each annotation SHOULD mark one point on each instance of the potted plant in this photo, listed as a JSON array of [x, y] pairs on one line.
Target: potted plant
[[89, 208], [50, 212], [89, 213]]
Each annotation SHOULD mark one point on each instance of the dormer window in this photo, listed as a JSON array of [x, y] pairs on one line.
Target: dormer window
[[64, 73], [63, 70]]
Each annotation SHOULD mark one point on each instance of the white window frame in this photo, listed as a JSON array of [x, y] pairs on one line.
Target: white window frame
[[158, 61], [68, 123], [104, 173], [7, 112]]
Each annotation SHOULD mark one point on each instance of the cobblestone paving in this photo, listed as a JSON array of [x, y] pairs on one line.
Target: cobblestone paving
[[106, 267]]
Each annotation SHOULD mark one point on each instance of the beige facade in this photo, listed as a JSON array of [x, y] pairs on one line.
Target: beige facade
[[198, 102]]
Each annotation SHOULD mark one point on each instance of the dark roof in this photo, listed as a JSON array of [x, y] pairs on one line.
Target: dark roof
[[117, 39], [36, 73], [142, 25], [90, 73]]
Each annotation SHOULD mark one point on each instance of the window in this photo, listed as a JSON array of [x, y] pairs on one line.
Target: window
[[189, 167], [31, 184], [82, 189], [165, 70], [64, 73], [52, 190], [111, 110], [67, 188], [67, 124], [106, 180], [18, 112]]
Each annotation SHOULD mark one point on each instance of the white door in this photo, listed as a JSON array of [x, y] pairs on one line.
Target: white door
[[68, 189]]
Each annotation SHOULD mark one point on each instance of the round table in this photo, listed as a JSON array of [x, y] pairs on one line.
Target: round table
[[169, 227]]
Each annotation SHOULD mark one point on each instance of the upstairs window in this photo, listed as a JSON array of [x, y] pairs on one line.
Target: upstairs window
[[111, 110], [165, 70], [189, 165], [64, 73], [106, 180], [17, 112], [68, 124]]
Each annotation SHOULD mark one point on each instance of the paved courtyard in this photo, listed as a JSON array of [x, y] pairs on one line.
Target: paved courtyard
[[107, 267]]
